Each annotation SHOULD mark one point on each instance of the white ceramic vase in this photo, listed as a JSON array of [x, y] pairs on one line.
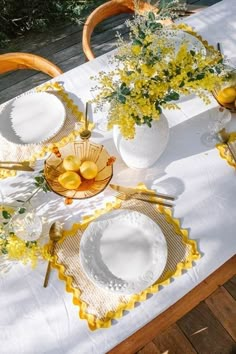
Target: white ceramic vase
[[146, 147]]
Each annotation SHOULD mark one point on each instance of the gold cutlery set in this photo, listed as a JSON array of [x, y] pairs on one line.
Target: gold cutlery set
[[125, 193]]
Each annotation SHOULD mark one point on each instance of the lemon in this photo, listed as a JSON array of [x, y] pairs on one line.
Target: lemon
[[88, 170], [71, 163], [227, 95], [69, 180]]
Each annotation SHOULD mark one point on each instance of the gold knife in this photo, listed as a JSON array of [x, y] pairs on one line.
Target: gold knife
[[131, 191], [16, 167], [143, 199]]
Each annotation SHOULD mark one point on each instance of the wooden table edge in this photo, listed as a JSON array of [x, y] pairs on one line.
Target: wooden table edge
[[147, 333]]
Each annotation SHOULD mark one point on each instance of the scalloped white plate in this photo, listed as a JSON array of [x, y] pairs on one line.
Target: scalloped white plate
[[123, 251], [178, 37], [32, 118]]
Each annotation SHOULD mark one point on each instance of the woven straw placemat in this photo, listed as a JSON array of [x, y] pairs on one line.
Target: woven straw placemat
[[224, 150], [31, 152], [98, 306]]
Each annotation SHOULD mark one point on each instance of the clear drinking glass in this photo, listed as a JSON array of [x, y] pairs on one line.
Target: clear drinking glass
[[100, 116], [25, 223], [219, 118]]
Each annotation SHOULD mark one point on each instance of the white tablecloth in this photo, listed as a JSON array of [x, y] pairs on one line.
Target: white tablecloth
[[38, 320]]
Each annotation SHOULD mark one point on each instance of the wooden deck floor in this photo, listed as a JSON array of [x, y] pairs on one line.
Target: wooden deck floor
[[203, 321], [210, 328], [63, 47]]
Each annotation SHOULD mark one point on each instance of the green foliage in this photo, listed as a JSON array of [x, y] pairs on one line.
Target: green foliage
[[18, 17]]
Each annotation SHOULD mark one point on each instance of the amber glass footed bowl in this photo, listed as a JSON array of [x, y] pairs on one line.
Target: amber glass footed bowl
[[85, 150]]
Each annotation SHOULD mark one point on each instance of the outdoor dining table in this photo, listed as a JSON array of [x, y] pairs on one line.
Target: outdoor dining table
[[35, 319]]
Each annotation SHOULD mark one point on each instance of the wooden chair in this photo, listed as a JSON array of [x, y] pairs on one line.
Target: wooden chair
[[18, 60], [104, 11]]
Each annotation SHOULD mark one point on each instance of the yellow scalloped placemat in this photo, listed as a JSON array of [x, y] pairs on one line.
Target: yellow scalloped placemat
[[98, 306], [224, 150], [32, 152]]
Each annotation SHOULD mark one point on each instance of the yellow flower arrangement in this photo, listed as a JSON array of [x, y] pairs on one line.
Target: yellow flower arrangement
[[12, 246], [151, 73]]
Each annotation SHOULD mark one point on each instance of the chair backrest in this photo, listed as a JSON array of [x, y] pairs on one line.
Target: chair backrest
[[104, 11], [18, 60]]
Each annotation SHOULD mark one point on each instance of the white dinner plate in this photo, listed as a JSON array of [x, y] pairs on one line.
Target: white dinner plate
[[32, 118], [177, 37], [123, 251]]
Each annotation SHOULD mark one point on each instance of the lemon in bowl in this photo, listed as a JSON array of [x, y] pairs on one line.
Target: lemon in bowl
[[69, 180], [71, 163], [88, 170]]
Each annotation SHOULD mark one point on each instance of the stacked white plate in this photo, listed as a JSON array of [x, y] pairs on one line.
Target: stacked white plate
[[123, 251], [32, 118]]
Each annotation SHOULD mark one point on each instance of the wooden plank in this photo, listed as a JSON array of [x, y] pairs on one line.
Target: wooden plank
[[10, 86], [176, 311], [33, 41], [62, 48], [173, 341], [230, 286], [203, 2], [150, 348], [30, 79], [23, 86], [205, 332], [223, 306]]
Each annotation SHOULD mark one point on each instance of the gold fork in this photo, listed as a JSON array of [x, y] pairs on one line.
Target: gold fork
[[15, 165], [154, 200]]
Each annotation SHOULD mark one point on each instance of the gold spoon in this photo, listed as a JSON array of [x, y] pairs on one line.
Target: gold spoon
[[55, 234], [85, 134]]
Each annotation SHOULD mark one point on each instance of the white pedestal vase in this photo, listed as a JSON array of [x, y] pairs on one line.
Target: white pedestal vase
[[146, 147]]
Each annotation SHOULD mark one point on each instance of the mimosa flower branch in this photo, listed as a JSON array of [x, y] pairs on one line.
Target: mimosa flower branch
[[11, 245], [150, 74]]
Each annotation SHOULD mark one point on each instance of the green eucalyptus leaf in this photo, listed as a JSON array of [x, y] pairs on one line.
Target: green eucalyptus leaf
[[155, 25], [22, 210], [157, 106], [30, 243], [141, 34], [178, 70], [151, 16], [137, 42], [6, 215], [121, 98], [200, 76], [39, 179], [126, 91], [172, 96]]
